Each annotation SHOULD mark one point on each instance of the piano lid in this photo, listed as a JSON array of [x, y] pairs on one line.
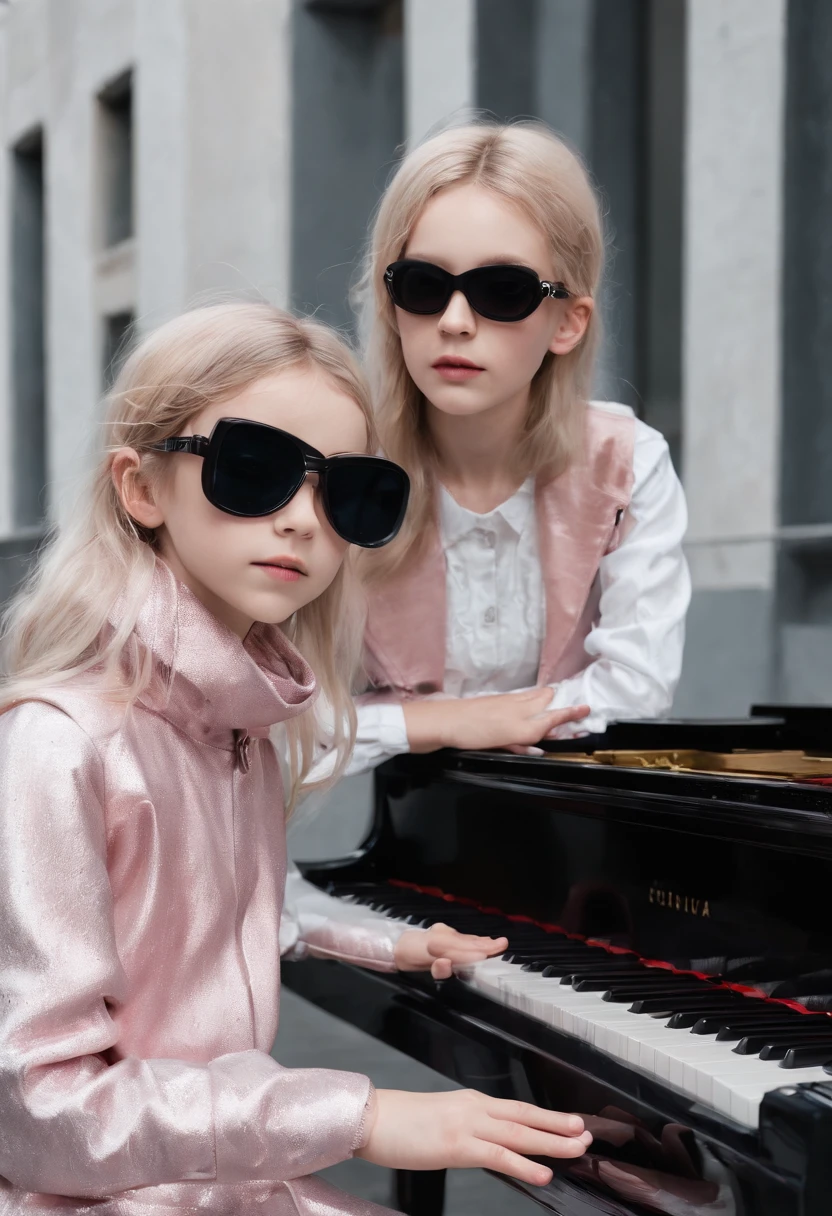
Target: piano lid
[[691, 734]]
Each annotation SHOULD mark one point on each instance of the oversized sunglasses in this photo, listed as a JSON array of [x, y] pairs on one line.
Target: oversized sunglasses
[[251, 469], [499, 293]]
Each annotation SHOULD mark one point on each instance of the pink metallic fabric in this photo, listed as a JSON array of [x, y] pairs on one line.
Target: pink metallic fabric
[[578, 518], [142, 871]]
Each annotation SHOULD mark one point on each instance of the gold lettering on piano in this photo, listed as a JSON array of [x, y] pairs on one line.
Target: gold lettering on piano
[[679, 903]]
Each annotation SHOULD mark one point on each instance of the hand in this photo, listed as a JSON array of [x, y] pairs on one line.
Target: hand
[[513, 720], [440, 946], [467, 1130]]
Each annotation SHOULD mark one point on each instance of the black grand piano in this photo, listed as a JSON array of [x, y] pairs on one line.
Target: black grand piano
[[666, 890]]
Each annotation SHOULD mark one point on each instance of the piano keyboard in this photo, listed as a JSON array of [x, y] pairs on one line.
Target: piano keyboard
[[721, 1048]]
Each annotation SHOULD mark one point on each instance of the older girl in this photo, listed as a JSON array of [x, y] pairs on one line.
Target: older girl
[[142, 849], [542, 550]]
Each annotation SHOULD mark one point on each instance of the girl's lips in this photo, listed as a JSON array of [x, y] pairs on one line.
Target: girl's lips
[[284, 574], [457, 371]]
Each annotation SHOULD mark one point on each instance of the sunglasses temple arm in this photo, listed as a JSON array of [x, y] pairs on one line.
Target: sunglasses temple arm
[[195, 445]]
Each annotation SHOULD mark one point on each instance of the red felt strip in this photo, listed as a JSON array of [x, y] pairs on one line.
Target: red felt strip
[[744, 989]]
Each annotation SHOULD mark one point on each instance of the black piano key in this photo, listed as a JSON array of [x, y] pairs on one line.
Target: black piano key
[[527, 952], [720, 1014], [636, 987], [733, 1029], [624, 995], [809, 1056], [559, 968], [755, 1044], [536, 959], [563, 966], [674, 1003], [598, 981], [778, 1049]]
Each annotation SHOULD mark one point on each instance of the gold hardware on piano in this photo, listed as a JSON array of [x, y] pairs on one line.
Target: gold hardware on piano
[[679, 903], [778, 765]]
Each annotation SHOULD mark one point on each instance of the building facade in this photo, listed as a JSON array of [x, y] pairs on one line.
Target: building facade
[[157, 152]]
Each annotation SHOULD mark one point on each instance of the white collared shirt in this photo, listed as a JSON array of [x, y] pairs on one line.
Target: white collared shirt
[[496, 608]]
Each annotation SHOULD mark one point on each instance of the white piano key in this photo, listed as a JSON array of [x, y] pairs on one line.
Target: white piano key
[[699, 1066]]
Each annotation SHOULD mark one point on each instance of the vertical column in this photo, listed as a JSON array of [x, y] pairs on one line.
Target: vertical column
[[73, 364], [28, 386], [347, 126], [804, 568], [24, 83], [563, 68], [5, 300], [590, 87], [731, 351], [161, 159], [440, 69], [238, 163]]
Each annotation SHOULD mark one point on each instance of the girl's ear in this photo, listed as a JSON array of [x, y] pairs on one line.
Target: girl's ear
[[572, 325], [134, 489]]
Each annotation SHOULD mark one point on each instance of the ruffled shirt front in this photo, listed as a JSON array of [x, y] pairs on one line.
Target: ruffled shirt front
[[496, 608], [142, 873]]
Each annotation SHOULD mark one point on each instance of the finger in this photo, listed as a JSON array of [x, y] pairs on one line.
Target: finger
[[489, 1156], [520, 750], [561, 1122], [454, 937], [556, 717], [441, 969], [571, 713], [462, 953], [461, 956], [531, 1142]]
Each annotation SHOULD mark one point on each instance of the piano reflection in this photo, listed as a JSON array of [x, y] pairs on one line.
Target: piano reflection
[[665, 889]]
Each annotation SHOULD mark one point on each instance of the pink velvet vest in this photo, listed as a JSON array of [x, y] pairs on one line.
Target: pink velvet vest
[[580, 518]]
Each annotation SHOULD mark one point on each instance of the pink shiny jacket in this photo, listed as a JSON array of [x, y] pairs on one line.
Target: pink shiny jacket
[[142, 872], [581, 516]]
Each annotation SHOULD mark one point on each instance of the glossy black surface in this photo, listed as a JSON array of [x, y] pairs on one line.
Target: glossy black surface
[[728, 876]]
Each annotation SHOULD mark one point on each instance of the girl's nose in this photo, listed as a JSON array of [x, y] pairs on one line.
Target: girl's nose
[[301, 515], [459, 317]]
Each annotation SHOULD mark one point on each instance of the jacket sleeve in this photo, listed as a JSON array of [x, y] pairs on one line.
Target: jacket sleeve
[[636, 646], [76, 1116], [380, 734], [322, 926]]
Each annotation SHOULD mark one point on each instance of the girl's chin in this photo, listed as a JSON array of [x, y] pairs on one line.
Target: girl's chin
[[461, 405]]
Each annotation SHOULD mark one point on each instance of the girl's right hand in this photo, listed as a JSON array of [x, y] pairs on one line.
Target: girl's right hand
[[465, 1129], [514, 720]]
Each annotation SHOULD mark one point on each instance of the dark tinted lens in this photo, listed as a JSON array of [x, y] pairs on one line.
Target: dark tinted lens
[[420, 289], [366, 499], [504, 293], [257, 470]]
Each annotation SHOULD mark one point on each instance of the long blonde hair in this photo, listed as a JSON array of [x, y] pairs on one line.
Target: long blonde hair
[[60, 625], [532, 168]]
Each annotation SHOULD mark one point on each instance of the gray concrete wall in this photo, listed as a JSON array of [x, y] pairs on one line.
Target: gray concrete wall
[[347, 123], [807, 268], [726, 669]]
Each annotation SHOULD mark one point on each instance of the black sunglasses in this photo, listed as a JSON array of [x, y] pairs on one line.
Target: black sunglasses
[[252, 469], [499, 293]]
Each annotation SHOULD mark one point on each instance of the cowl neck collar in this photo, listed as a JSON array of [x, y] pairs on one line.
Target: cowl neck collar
[[208, 682]]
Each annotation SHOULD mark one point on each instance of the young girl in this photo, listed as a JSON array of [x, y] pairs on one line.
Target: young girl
[[143, 858], [542, 550]]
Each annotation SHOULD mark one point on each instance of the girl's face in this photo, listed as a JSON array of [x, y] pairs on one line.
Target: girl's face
[[263, 569], [460, 228]]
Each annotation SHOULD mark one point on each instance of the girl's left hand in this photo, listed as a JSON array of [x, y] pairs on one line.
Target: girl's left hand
[[440, 947]]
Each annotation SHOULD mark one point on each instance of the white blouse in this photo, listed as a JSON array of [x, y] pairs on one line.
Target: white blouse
[[496, 608]]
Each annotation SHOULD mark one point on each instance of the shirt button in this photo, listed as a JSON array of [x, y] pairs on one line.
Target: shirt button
[[489, 616]]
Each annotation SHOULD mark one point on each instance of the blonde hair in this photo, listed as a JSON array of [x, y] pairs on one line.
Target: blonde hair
[[530, 167], [77, 612]]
